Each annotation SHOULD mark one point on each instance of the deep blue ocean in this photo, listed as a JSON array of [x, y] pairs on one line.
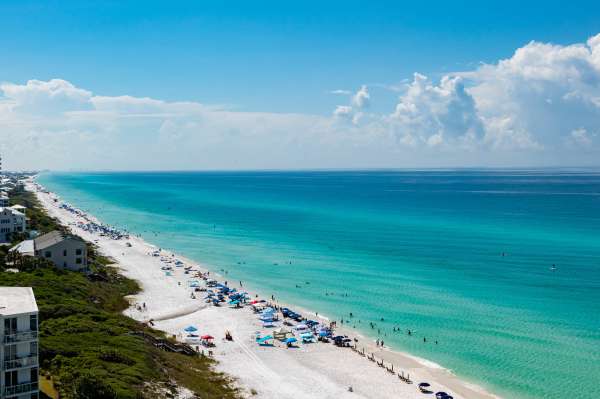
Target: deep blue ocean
[[462, 257]]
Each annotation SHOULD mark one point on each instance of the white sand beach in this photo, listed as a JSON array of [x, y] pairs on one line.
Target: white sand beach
[[316, 370]]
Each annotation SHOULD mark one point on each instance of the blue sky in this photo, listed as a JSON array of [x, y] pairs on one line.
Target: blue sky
[[283, 85], [270, 55]]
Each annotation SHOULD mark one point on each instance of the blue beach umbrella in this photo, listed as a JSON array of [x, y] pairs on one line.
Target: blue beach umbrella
[[190, 329], [290, 340]]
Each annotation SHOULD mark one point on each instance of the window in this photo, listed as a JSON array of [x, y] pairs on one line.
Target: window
[[10, 326], [33, 322], [10, 378], [78, 261], [64, 252], [48, 254], [34, 374], [10, 352], [78, 251], [33, 348]]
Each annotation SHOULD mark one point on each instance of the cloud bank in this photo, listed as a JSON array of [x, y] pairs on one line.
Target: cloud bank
[[540, 107]]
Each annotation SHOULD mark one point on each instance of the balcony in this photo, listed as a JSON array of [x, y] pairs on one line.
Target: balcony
[[26, 361], [19, 389], [21, 337]]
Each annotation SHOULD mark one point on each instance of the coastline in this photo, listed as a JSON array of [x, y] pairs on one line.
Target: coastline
[[315, 370]]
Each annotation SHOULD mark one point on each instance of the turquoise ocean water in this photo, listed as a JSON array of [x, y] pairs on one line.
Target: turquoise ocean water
[[422, 249]]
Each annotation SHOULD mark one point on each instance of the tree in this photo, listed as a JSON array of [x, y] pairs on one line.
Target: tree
[[89, 386]]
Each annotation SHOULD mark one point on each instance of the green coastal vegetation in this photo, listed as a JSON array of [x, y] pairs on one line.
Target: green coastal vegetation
[[87, 345]]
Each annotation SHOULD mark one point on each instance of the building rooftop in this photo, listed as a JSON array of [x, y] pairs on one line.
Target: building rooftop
[[12, 211], [52, 238], [25, 247], [17, 300]]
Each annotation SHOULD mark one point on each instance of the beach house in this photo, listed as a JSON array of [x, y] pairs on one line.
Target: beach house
[[11, 221], [64, 250], [18, 343]]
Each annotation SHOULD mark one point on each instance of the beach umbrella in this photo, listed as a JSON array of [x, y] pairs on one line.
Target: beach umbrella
[[207, 337], [424, 385], [441, 395], [267, 338], [190, 329], [290, 340]]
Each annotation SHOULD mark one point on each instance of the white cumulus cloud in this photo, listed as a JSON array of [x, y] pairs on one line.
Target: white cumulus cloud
[[540, 106], [362, 98], [39, 97], [433, 114]]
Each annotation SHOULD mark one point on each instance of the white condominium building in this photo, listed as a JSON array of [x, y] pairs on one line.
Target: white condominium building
[[18, 343], [11, 221]]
